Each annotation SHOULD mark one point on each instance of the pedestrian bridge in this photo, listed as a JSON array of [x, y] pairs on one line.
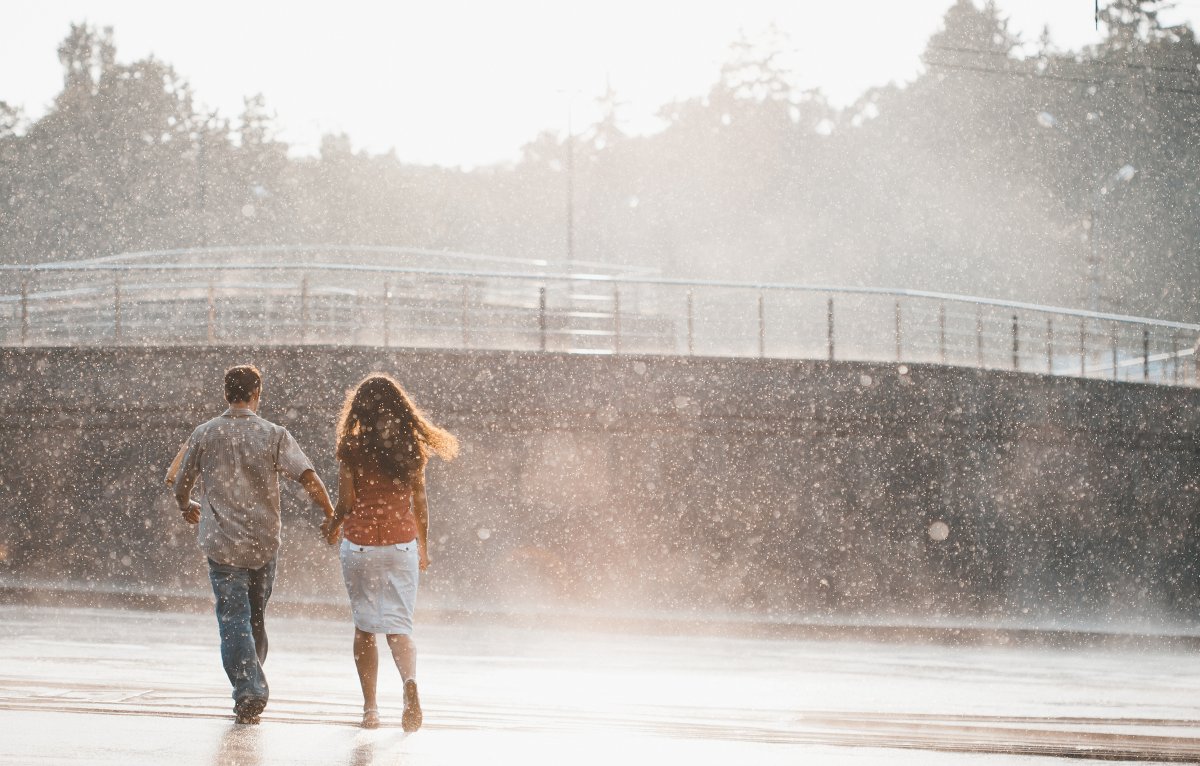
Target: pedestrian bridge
[[416, 298]]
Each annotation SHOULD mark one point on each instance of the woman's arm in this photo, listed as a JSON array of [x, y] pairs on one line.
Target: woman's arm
[[421, 512], [345, 502]]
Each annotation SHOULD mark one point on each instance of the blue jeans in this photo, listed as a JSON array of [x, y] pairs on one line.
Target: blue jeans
[[242, 596]]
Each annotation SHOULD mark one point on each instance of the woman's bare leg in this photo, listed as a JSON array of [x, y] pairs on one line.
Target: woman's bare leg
[[366, 659], [404, 652]]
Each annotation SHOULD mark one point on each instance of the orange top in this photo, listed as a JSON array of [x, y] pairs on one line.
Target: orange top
[[382, 512]]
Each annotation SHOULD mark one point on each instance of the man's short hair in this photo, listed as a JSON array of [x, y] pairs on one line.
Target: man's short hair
[[242, 383]]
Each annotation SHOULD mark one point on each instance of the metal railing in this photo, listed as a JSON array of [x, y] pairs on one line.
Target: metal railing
[[138, 300]]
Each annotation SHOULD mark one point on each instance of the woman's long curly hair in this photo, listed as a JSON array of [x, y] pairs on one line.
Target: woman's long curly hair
[[381, 429]]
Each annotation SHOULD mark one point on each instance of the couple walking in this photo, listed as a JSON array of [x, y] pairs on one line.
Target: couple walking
[[383, 444]]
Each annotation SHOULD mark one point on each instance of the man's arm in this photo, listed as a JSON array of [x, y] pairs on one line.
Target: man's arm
[[316, 490], [344, 503], [185, 479], [291, 461], [173, 470]]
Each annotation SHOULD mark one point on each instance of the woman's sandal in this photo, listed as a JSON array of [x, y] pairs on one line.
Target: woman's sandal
[[370, 719]]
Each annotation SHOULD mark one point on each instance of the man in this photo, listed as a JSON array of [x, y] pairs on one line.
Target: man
[[239, 456]]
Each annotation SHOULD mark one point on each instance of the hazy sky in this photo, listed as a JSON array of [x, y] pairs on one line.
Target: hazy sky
[[467, 83]]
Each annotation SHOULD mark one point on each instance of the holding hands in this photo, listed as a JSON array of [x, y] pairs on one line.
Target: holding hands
[[191, 514], [331, 529]]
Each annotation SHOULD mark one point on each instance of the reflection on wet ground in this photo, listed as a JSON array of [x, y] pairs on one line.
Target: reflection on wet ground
[[123, 687]]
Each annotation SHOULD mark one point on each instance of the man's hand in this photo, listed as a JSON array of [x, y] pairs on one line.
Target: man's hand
[[331, 529], [191, 514]]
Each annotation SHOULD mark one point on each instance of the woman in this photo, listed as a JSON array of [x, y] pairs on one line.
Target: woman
[[383, 443]]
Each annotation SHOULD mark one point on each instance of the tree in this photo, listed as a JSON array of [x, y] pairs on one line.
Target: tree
[[978, 176], [103, 169]]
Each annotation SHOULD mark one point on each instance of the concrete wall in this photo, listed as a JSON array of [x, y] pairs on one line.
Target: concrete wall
[[776, 488]]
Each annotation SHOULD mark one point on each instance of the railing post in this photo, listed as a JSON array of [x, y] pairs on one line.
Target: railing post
[[1175, 358], [1145, 353], [212, 314], [387, 311], [466, 326], [1196, 363], [942, 331], [542, 318], [691, 338], [616, 320], [829, 325], [1082, 346], [304, 309], [1050, 344], [24, 312], [1114, 354], [356, 325], [1016, 344], [979, 335], [899, 337], [117, 329], [762, 328]]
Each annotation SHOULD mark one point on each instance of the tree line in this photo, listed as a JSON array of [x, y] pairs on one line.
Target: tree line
[[1006, 168]]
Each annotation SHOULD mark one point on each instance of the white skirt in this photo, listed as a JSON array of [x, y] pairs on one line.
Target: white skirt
[[382, 583]]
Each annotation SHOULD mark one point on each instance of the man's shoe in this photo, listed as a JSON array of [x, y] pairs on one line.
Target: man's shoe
[[247, 711], [412, 718]]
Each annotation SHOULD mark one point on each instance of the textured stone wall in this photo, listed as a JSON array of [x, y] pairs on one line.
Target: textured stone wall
[[775, 488]]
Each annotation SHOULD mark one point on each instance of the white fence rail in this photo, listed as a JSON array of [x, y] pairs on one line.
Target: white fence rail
[[135, 300]]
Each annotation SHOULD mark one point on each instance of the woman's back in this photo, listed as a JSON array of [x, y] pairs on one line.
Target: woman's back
[[382, 513]]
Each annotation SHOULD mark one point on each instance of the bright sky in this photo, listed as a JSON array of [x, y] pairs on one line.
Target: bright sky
[[456, 82]]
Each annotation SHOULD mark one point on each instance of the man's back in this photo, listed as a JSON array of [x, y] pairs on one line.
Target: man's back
[[240, 456]]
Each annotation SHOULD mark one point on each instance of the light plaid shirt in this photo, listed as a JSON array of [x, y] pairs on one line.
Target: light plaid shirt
[[239, 456]]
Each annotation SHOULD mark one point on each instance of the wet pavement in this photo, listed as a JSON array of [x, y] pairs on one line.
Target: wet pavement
[[99, 686]]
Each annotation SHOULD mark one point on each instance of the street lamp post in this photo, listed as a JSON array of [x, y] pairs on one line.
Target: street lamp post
[[570, 187], [1104, 185], [569, 162], [202, 176], [1096, 276]]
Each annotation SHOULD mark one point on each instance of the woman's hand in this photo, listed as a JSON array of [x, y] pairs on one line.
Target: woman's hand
[[331, 529], [422, 557]]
